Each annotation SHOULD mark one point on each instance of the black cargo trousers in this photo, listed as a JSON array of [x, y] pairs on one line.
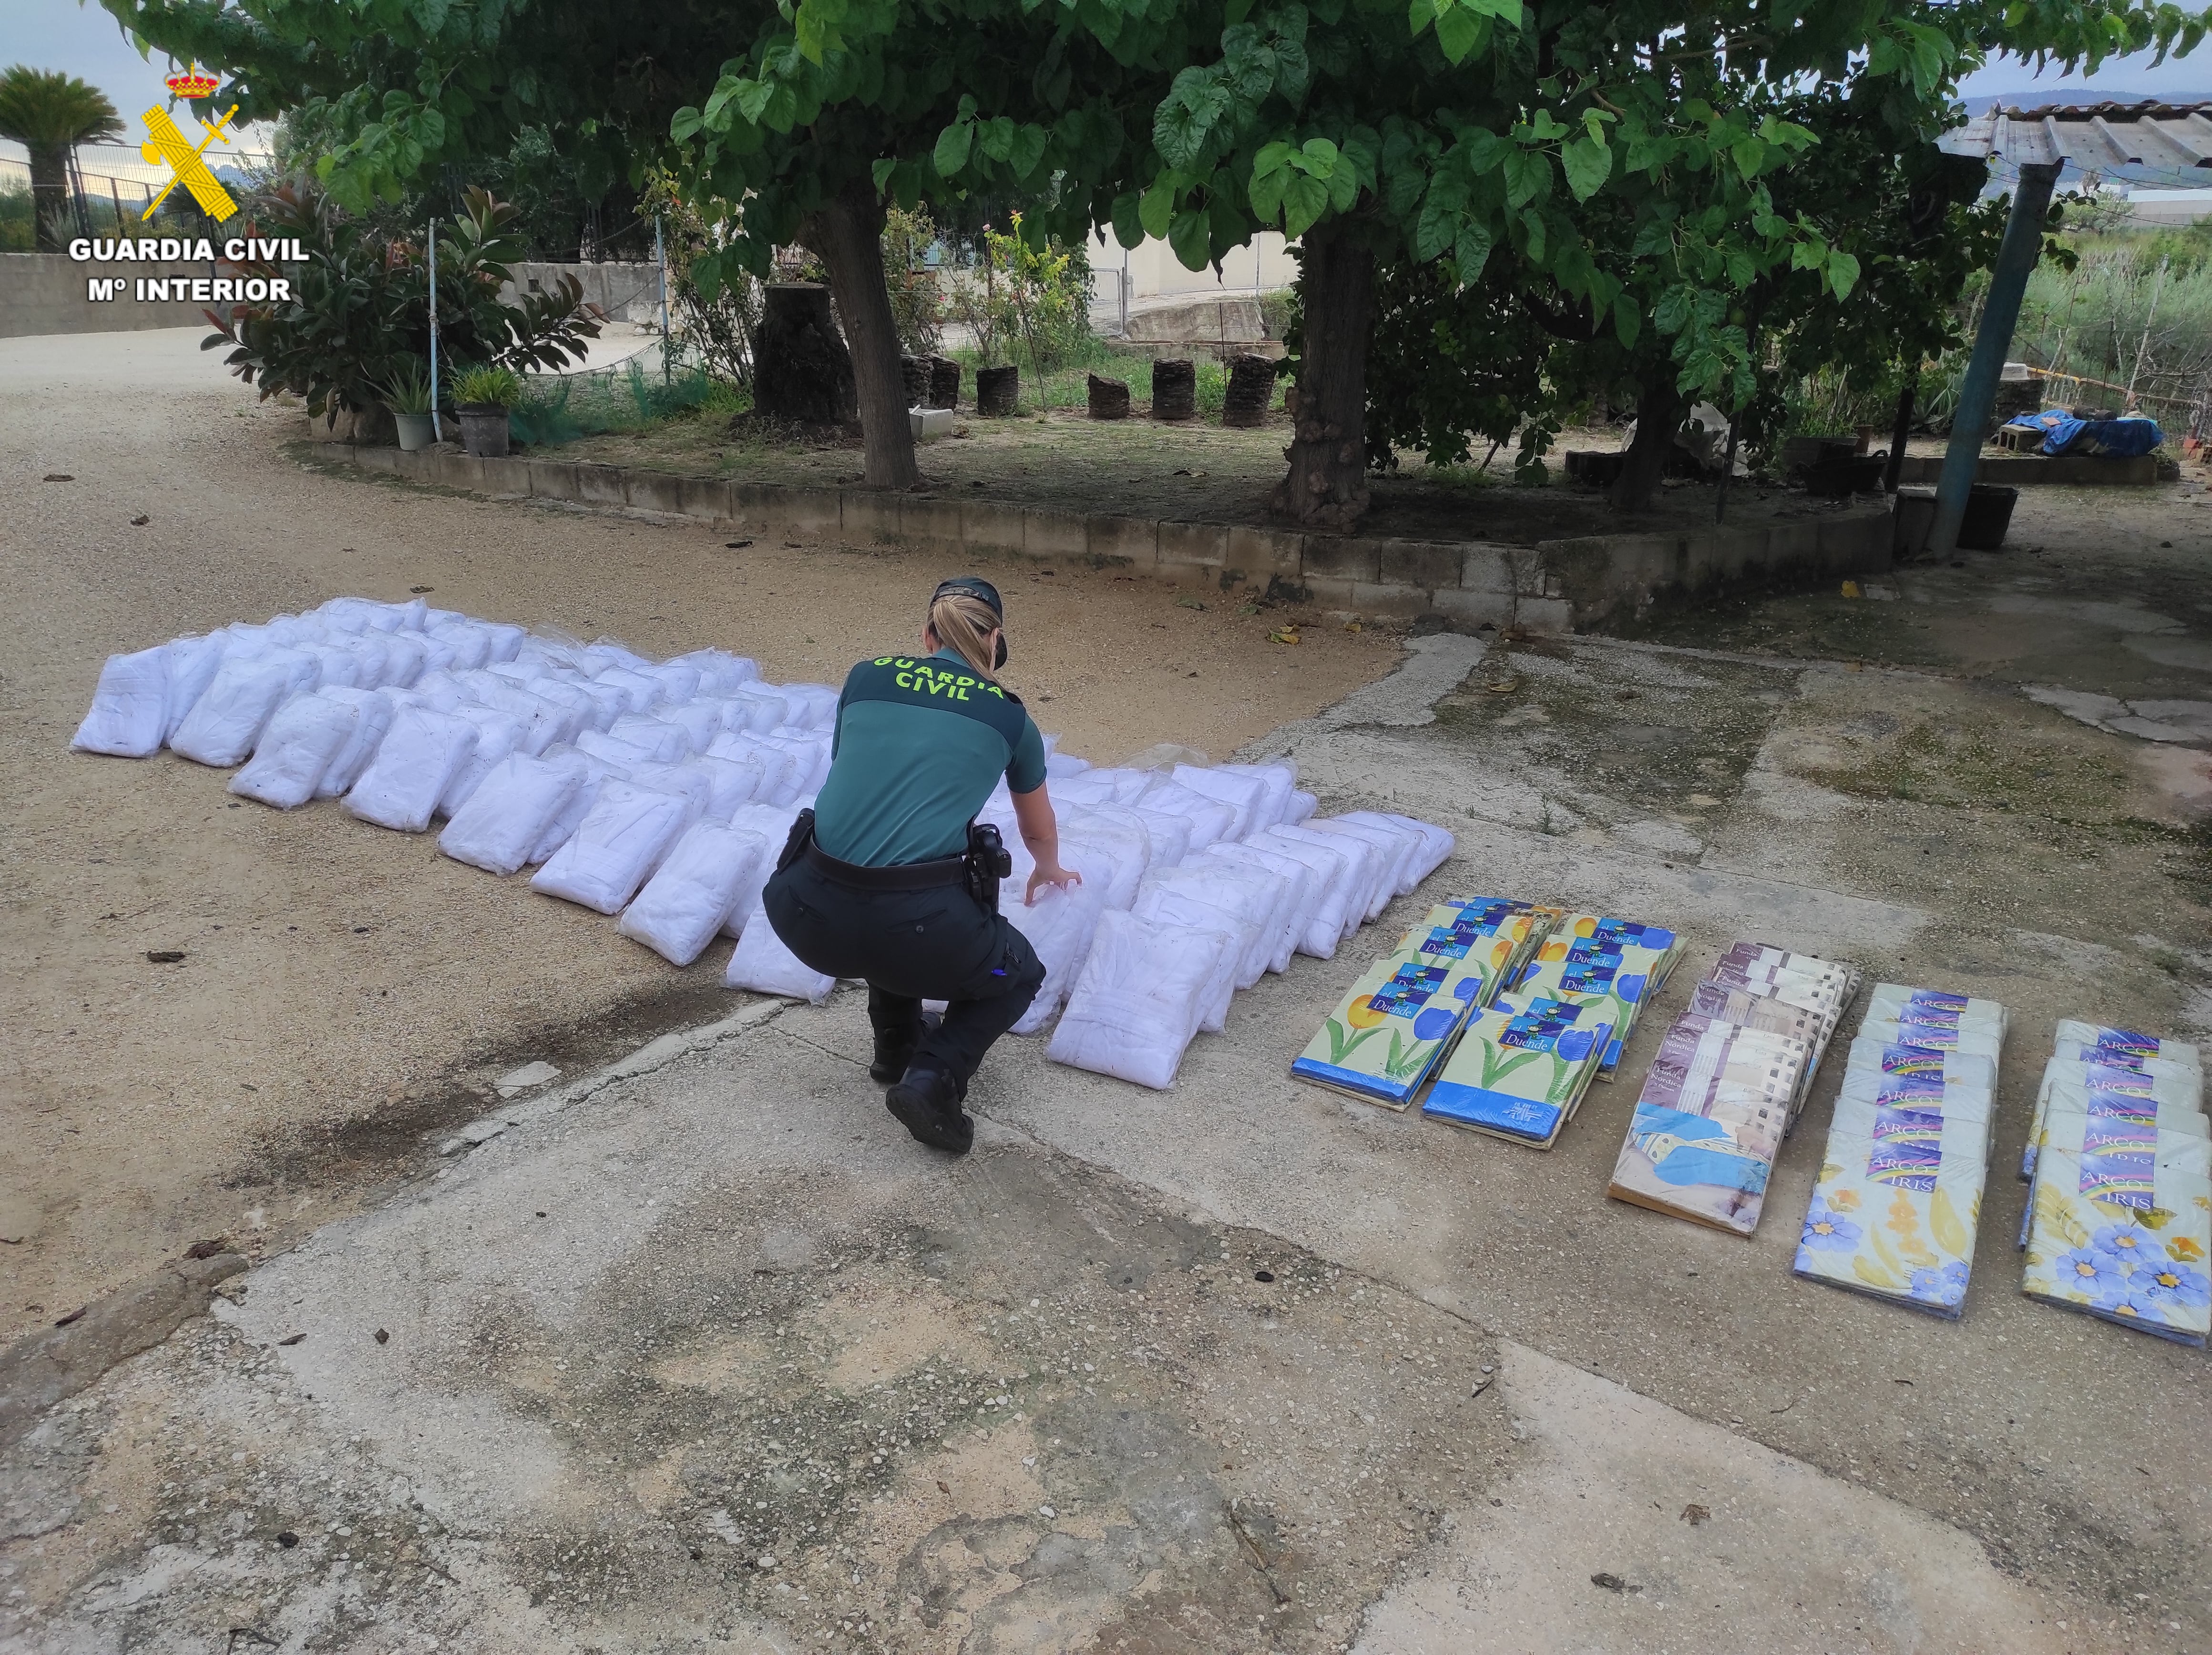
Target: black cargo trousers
[[934, 943]]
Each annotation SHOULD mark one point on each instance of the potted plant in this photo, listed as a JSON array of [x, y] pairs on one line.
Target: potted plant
[[409, 394], [482, 397]]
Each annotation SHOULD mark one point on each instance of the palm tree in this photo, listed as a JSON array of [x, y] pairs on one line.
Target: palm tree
[[49, 113]]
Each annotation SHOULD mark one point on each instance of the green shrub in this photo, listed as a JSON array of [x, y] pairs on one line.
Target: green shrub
[[410, 391], [485, 383]]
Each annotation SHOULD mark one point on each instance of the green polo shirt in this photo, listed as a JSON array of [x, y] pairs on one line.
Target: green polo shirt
[[920, 743]]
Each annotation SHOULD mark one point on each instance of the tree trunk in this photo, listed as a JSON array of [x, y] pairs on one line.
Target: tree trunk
[[1658, 416], [49, 198], [1327, 487], [848, 234]]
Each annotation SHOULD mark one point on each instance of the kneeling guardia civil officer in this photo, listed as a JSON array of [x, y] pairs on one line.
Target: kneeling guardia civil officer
[[890, 879]]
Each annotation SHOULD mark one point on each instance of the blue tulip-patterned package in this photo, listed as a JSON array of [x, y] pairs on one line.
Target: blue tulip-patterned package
[[1617, 965], [1520, 1069], [1387, 1033]]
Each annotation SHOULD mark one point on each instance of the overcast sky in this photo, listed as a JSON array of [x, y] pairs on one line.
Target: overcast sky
[[86, 42]]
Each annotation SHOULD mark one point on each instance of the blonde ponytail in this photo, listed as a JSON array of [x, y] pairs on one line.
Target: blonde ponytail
[[964, 623]]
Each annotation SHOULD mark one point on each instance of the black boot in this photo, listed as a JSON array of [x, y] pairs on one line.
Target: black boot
[[895, 1047], [927, 1102]]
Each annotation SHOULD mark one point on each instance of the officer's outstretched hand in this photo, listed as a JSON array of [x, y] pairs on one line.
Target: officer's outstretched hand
[[1050, 874]]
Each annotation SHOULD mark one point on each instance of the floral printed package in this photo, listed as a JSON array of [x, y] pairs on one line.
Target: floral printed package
[[2093, 1058], [1895, 1211], [1486, 934], [2119, 1223], [1388, 1031], [1710, 1122], [1617, 965], [1520, 1069]]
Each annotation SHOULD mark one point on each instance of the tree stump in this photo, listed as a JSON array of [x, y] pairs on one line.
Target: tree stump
[[801, 369], [1251, 387], [1174, 390], [1110, 398], [997, 390], [914, 372], [944, 382]]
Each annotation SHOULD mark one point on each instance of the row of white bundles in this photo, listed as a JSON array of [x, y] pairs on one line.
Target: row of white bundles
[[1898, 1203], [1204, 879]]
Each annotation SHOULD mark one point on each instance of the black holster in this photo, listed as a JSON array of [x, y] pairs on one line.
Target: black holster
[[988, 862], [802, 835]]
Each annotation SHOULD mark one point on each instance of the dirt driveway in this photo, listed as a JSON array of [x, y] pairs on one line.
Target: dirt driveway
[[346, 990]]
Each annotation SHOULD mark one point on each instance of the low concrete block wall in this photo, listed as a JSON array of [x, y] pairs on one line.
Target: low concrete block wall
[[45, 293], [2026, 470], [1556, 587]]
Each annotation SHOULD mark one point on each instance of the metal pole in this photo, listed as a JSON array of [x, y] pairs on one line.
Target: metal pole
[[437, 430], [661, 253], [2016, 259]]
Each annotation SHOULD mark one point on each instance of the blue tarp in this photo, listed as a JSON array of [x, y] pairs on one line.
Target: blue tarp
[[2114, 439]]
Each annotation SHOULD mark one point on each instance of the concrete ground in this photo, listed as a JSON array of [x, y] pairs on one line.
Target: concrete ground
[[703, 1353]]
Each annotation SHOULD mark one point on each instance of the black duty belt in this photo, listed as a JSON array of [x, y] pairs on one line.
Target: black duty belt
[[899, 876]]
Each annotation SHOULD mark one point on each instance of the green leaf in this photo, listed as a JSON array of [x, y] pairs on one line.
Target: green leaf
[[1304, 200], [1265, 191], [997, 137], [1460, 32], [1471, 252], [952, 146], [1437, 227], [1587, 162], [1749, 155], [1527, 172], [881, 171], [1128, 228], [751, 99], [1028, 150], [1156, 211], [684, 124], [1419, 16], [1191, 237], [1627, 321], [1843, 273], [1505, 11]]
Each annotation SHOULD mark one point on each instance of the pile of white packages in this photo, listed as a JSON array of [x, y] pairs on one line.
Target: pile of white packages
[[663, 791]]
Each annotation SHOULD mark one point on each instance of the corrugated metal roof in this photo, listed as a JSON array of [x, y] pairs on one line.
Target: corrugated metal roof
[[2095, 137]]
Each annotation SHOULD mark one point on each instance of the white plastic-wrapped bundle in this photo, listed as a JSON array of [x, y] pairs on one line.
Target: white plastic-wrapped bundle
[[1136, 1002], [338, 666], [497, 736], [1059, 925], [509, 812], [720, 673], [468, 640], [505, 639], [1109, 864], [679, 682], [812, 707], [414, 765], [372, 658], [701, 719], [296, 747], [1169, 834], [1080, 789], [1181, 911], [782, 778], [1331, 917], [812, 752], [608, 703], [1245, 795], [562, 827], [613, 748], [1394, 848], [375, 707], [614, 849], [762, 963], [640, 693], [436, 689], [545, 723], [764, 709], [678, 779], [130, 711], [730, 782], [407, 659], [689, 896], [1064, 766], [193, 662], [1300, 809], [1277, 781], [663, 742], [1209, 819], [228, 718], [1301, 893], [1248, 895], [1436, 848], [1366, 870], [772, 822]]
